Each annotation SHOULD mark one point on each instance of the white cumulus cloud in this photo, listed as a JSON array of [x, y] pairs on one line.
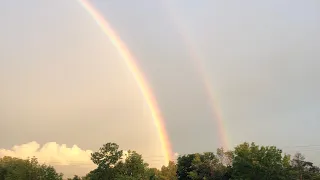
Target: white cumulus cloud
[[68, 160], [50, 153]]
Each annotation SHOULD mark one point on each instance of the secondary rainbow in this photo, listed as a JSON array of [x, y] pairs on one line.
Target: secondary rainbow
[[202, 72], [138, 76]]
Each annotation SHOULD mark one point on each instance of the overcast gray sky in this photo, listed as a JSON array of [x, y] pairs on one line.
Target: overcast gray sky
[[63, 81]]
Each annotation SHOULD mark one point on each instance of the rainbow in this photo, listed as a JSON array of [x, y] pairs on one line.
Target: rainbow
[[212, 99], [201, 70], [138, 76]]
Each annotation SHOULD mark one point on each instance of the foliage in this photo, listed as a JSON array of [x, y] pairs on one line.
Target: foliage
[[254, 162], [304, 169], [168, 172], [107, 156], [19, 169], [106, 159], [75, 177], [246, 162], [132, 168], [201, 166]]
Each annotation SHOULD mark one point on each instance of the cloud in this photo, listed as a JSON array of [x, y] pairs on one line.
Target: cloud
[[68, 160], [175, 156], [50, 153]]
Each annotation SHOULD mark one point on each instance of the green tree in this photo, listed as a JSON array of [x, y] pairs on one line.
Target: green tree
[[3, 172], [14, 168], [225, 157], [49, 173], [169, 172], [200, 166], [29, 169], [153, 174], [133, 167], [106, 158], [75, 177], [184, 166], [259, 163], [303, 169]]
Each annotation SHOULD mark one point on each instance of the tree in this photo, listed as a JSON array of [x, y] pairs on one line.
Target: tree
[[303, 169], [225, 157], [49, 173], [261, 163], [14, 168], [153, 174], [168, 172], [75, 177], [111, 166], [133, 167], [3, 172], [106, 158], [246, 162], [29, 169], [200, 166], [184, 166]]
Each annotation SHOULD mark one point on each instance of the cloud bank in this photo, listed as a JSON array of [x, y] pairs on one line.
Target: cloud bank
[[69, 160], [50, 153]]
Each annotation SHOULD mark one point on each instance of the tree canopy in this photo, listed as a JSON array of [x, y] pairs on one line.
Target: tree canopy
[[247, 161], [18, 169]]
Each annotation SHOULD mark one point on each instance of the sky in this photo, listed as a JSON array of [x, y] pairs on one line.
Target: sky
[[64, 86]]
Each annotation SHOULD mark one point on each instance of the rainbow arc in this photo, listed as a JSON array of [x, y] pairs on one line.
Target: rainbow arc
[[136, 72]]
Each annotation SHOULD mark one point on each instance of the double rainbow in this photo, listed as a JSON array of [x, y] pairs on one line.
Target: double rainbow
[[138, 75]]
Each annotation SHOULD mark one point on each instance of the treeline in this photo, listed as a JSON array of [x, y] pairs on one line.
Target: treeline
[[245, 162], [19, 169]]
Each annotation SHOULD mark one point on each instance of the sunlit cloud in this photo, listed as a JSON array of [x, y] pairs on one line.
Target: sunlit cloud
[[69, 160], [50, 153]]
